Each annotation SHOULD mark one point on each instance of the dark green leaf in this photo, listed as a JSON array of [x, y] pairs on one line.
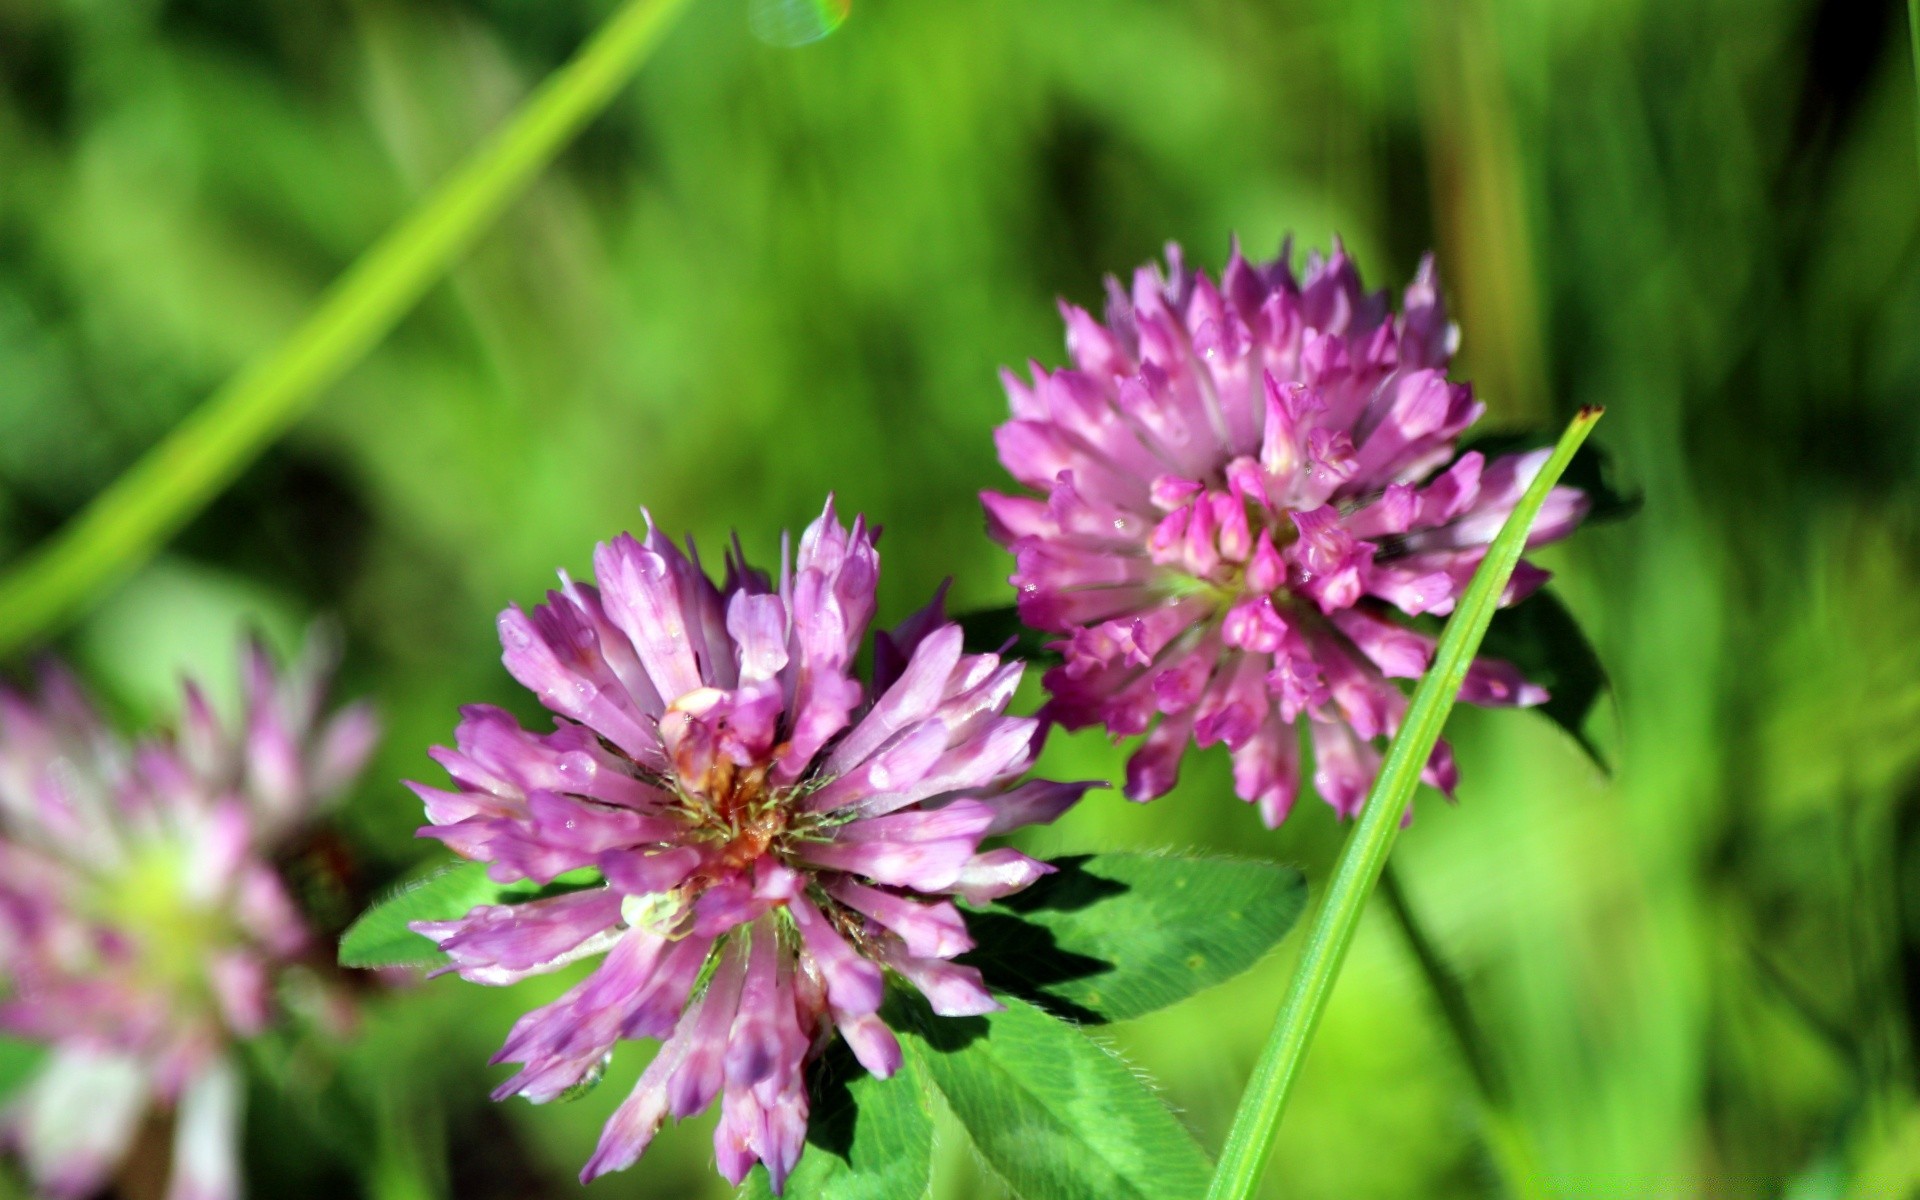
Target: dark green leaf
[[1056, 1116], [1591, 470], [1541, 637], [19, 1061], [867, 1139], [380, 937], [999, 631], [1112, 936]]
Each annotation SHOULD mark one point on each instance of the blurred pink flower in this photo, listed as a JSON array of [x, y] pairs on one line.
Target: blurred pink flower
[[774, 837], [142, 924], [1241, 487]]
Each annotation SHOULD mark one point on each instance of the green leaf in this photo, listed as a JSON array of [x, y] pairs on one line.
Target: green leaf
[[1111, 936], [1541, 637], [1055, 1115], [20, 1061], [380, 937], [1000, 631], [868, 1138]]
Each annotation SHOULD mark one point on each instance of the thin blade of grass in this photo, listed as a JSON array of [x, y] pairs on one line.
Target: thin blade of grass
[[1250, 1142], [1913, 35], [128, 522]]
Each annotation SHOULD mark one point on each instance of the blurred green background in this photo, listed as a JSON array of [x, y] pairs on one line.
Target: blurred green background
[[769, 273]]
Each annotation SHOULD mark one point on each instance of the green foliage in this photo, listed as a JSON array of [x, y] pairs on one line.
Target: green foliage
[[19, 1061], [1109, 937], [1056, 1115], [867, 1138], [379, 937], [761, 275], [127, 523]]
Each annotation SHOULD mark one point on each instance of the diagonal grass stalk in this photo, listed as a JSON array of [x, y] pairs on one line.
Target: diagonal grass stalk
[[1913, 35], [1250, 1142], [128, 522]]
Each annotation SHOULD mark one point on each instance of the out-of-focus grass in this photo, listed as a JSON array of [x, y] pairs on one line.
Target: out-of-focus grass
[[769, 273]]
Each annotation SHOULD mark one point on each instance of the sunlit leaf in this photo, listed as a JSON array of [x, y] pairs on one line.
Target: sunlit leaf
[[867, 1138], [1111, 936], [380, 937], [1055, 1115]]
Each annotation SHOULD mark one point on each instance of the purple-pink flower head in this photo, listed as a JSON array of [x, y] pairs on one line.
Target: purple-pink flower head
[[773, 835], [143, 926], [1243, 487]]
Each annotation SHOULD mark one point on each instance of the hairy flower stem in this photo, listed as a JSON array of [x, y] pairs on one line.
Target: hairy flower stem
[[126, 524], [1250, 1142], [1507, 1143]]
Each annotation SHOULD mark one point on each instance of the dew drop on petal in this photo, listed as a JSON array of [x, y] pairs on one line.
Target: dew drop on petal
[[589, 1081]]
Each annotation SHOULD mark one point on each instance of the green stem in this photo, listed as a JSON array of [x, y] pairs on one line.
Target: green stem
[[1913, 34], [1250, 1142], [127, 523], [1507, 1143]]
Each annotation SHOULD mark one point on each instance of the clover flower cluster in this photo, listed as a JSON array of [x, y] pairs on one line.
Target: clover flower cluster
[[143, 925], [1238, 499], [1242, 491], [774, 834]]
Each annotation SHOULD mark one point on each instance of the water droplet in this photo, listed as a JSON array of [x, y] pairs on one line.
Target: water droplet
[[589, 1081], [790, 23]]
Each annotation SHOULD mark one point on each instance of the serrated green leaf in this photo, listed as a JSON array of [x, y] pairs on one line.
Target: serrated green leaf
[[1055, 1115], [1000, 631], [380, 937], [1541, 637], [1111, 936], [867, 1139], [20, 1061]]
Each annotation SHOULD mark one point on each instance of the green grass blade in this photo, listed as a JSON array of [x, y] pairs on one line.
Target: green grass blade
[[126, 524], [1250, 1142], [1913, 35]]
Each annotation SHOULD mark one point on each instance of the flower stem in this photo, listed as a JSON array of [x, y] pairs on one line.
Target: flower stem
[[1250, 1142], [127, 523], [1507, 1143]]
